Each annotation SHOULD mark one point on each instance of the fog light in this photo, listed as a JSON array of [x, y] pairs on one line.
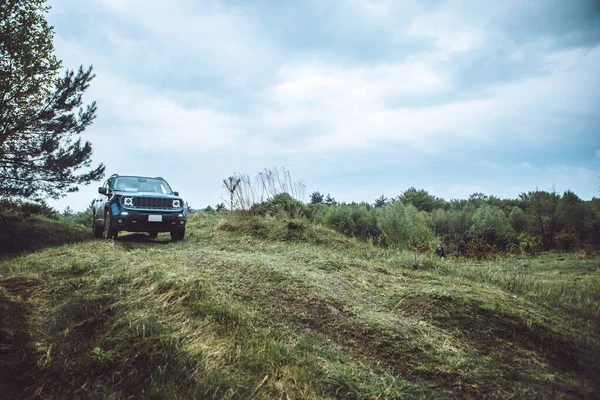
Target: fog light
[[120, 221], [124, 213], [180, 215], [181, 222]]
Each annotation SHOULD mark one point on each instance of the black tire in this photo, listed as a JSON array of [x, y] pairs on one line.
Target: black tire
[[109, 232], [177, 235], [96, 230], [152, 235]]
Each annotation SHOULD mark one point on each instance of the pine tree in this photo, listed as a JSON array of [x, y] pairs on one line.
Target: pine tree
[[316, 198], [41, 113]]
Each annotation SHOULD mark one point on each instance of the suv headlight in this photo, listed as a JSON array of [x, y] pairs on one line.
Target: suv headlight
[[176, 203], [128, 201]]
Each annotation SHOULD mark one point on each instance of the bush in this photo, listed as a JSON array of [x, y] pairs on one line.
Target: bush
[[403, 226], [491, 225], [453, 228], [518, 219], [529, 244], [352, 220], [566, 240], [281, 205]]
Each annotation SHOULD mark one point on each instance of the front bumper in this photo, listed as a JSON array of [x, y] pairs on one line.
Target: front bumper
[[138, 221]]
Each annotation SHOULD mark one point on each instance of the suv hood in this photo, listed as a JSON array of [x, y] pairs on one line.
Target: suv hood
[[148, 194]]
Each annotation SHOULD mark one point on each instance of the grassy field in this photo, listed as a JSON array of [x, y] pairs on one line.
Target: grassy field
[[260, 308]]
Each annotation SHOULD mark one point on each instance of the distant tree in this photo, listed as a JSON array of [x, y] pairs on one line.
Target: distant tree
[[316, 198], [380, 202], [518, 219], [329, 200], [421, 199], [572, 213], [491, 225], [543, 209], [41, 114], [209, 209], [68, 212], [219, 207]]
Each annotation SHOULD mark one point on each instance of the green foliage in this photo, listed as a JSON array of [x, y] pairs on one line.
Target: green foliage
[[491, 225], [573, 214], [566, 240], [454, 227], [518, 219], [529, 244], [316, 198], [421, 200], [41, 114], [405, 227], [281, 205], [329, 200], [543, 210], [316, 213], [380, 202], [25, 209], [352, 220], [20, 233]]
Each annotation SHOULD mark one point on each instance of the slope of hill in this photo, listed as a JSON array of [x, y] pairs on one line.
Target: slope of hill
[[25, 234], [261, 308]]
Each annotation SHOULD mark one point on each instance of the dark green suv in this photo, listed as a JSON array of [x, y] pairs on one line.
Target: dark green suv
[[138, 204]]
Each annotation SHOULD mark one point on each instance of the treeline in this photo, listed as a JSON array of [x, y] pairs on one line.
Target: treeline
[[476, 227]]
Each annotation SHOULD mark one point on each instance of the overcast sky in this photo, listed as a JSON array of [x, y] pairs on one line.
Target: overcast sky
[[356, 98]]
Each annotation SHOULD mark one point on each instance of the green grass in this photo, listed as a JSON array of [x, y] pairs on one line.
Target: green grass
[[20, 234], [260, 308]]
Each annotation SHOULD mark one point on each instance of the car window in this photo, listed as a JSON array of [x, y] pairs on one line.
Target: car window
[[140, 184]]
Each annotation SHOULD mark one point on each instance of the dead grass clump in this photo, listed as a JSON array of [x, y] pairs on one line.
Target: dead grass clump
[[224, 225]]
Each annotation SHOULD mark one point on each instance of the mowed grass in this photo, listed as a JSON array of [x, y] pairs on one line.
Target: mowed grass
[[261, 308]]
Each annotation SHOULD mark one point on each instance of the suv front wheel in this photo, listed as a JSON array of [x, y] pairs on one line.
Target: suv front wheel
[[177, 235], [97, 231], [109, 231]]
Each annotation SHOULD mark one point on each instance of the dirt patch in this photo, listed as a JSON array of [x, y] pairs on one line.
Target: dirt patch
[[330, 320], [506, 337]]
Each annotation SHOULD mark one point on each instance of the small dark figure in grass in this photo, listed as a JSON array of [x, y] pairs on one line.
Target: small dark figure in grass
[[439, 251]]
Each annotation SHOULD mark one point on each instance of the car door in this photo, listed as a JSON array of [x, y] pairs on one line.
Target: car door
[[100, 202]]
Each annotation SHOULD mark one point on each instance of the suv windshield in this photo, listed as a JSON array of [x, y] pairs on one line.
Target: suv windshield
[[136, 184]]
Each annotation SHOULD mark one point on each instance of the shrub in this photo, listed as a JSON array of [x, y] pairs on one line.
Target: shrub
[[491, 225], [352, 220], [403, 226], [529, 244], [316, 213], [518, 219], [566, 240], [281, 205]]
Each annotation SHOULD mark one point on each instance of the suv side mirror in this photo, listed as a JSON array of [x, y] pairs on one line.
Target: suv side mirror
[[176, 193], [102, 190]]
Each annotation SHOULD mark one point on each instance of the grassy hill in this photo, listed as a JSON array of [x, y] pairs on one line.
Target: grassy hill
[[261, 308]]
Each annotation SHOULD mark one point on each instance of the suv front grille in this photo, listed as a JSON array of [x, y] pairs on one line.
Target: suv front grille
[[153, 203]]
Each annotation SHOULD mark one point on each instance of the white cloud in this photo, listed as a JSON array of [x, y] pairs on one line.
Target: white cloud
[[152, 121], [451, 34], [525, 164], [210, 37]]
